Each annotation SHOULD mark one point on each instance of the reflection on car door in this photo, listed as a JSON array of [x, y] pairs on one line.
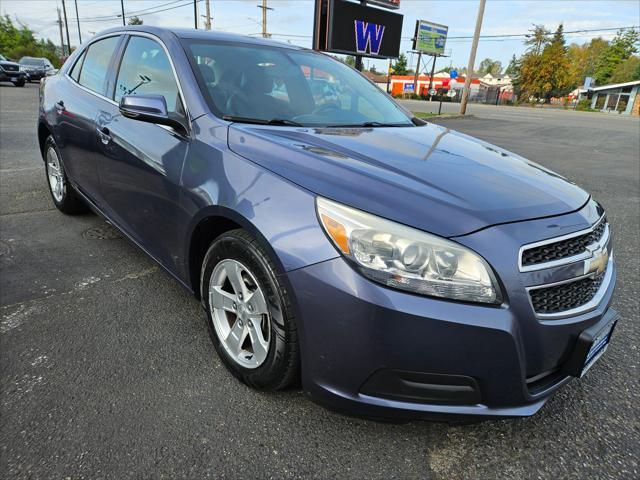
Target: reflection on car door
[[141, 163]]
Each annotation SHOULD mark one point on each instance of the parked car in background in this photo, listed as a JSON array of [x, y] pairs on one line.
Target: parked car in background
[[37, 68], [397, 267], [11, 72]]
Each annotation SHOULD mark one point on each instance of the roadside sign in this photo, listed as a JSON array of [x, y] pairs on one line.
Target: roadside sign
[[430, 38], [453, 74], [408, 87], [433, 92], [451, 93], [345, 27], [394, 4]]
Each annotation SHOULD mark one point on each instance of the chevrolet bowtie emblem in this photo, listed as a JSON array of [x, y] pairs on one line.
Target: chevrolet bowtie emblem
[[598, 262]]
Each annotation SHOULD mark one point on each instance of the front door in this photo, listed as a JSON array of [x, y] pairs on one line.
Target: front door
[[141, 163]]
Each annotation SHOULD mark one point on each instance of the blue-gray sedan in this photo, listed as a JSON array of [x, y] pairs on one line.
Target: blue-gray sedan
[[395, 267]]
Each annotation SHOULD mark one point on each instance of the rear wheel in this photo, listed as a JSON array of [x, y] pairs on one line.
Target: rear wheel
[[65, 198], [19, 83], [249, 313]]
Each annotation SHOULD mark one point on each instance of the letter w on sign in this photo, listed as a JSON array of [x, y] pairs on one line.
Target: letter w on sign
[[368, 37]]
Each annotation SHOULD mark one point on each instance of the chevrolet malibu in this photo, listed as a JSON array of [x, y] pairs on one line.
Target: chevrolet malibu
[[397, 268]]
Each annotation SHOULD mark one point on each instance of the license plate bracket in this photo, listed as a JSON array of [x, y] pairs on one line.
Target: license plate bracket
[[591, 345]]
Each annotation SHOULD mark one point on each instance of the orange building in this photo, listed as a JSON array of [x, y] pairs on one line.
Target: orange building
[[398, 82]]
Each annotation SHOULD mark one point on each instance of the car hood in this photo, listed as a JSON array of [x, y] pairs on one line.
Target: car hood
[[7, 63], [429, 177]]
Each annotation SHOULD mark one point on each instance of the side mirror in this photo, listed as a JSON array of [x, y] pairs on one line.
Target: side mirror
[[149, 108]]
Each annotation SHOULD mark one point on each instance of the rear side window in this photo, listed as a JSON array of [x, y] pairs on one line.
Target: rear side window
[[96, 64], [146, 70], [75, 71]]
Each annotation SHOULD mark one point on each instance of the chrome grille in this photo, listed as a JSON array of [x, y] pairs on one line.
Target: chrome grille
[[569, 247], [11, 68], [566, 296]]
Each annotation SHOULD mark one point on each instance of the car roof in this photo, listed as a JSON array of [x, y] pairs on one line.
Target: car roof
[[191, 33]]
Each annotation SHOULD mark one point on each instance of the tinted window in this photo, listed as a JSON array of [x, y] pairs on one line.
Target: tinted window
[[75, 71], [35, 62], [145, 70], [96, 64], [269, 83]]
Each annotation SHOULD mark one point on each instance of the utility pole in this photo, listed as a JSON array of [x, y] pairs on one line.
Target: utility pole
[[417, 74], [358, 64], [122, 8], [207, 15], [433, 71], [66, 25], [61, 34], [78, 20], [472, 59], [264, 8], [195, 13]]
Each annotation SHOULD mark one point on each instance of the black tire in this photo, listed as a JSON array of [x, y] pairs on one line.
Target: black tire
[[71, 202], [19, 83], [282, 364]]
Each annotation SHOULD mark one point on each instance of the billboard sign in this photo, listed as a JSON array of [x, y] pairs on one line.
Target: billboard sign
[[407, 87], [354, 29], [394, 4], [430, 38]]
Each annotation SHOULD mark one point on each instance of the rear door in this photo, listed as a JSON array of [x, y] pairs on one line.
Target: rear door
[[81, 98], [141, 163]]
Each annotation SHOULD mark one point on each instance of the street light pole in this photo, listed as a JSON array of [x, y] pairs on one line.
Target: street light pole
[[66, 26], [122, 8], [78, 20], [472, 59]]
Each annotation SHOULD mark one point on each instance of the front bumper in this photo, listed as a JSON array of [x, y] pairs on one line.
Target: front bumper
[[374, 351], [6, 76]]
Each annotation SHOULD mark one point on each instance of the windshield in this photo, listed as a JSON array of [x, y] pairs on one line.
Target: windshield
[[2, 58], [31, 61], [288, 87]]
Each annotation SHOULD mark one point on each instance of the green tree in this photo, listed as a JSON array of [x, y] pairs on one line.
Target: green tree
[[350, 60], [545, 73], [494, 67], [537, 39], [627, 71], [373, 69], [400, 65], [556, 81], [135, 21], [19, 42], [513, 67], [620, 49], [584, 59]]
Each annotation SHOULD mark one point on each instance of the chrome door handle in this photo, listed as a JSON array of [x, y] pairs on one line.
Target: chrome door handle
[[104, 135], [59, 106]]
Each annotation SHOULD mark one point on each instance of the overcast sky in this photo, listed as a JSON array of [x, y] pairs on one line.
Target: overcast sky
[[295, 18]]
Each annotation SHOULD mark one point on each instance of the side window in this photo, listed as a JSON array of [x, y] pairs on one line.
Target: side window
[[145, 70], [75, 71], [96, 64]]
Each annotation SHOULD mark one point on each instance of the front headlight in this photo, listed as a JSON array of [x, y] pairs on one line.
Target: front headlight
[[408, 259]]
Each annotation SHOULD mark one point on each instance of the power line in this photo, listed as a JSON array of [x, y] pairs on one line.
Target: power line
[[138, 13]]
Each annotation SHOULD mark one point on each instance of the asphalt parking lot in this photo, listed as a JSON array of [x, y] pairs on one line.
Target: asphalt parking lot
[[107, 370]]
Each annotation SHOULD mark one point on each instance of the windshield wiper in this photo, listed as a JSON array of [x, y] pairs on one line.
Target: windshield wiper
[[260, 121], [367, 124]]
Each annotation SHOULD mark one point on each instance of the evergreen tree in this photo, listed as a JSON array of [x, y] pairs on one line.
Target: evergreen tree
[[400, 65], [621, 48], [134, 21]]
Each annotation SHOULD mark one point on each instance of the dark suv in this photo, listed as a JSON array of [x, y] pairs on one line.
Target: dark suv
[[11, 72], [397, 267], [37, 68]]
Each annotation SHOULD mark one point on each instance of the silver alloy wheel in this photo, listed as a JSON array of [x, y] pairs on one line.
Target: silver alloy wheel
[[56, 175], [240, 314]]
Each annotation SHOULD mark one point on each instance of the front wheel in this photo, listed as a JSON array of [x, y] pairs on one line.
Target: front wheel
[[65, 198], [249, 313], [19, 83]]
